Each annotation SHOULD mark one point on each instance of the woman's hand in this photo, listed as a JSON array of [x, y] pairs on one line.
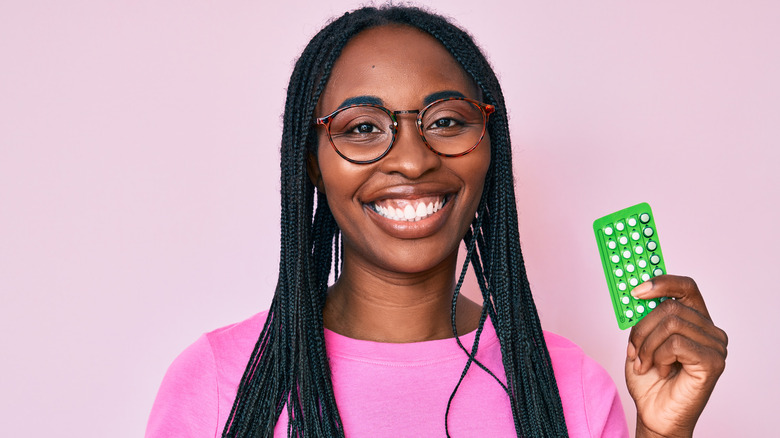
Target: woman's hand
[[675, 356]]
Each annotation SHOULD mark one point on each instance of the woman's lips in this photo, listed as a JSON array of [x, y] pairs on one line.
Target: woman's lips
[[420, 223], [409, 210]]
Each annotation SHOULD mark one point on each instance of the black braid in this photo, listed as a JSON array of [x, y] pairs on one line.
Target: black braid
[[289, 366]]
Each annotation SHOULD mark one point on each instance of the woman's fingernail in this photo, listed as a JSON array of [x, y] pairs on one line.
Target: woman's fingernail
[[631, 352], [642, 290]]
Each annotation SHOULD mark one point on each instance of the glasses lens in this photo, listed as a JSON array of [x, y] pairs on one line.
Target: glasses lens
[[362, 133], [453, 127]]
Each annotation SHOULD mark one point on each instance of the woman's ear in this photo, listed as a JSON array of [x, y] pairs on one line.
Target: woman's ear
[[313, 168]]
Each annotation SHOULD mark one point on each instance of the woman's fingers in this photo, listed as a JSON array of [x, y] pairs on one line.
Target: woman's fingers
[[671, 318], [694, 356], [682, 289], [684, 317]]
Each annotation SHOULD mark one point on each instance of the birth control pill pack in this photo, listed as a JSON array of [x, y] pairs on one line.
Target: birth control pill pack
[[630, 254]]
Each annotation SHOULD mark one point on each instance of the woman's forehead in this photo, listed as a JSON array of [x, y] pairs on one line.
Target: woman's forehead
[[396, 64]]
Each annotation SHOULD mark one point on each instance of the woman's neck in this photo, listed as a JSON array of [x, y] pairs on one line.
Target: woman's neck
[[392, 307]]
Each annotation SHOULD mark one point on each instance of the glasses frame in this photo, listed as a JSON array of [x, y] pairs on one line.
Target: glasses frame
[[486, 109]]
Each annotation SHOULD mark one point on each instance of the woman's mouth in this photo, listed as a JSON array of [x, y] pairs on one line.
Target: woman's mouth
[[409, 210]]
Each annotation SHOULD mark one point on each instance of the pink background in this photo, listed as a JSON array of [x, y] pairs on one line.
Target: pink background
[[139, 193]]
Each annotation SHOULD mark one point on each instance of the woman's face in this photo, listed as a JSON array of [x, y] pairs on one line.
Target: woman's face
[[400, 68]]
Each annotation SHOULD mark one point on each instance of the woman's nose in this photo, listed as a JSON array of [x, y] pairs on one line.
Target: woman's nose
[[409, 154]]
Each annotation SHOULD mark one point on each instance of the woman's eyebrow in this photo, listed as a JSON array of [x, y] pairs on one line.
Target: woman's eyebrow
[[373, 100], [442, 95], [360, 100]]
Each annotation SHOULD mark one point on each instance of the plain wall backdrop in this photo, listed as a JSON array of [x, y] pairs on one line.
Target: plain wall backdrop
[[139, 181]]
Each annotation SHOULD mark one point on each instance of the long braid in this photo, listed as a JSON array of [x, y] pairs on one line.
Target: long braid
[[289, 366]]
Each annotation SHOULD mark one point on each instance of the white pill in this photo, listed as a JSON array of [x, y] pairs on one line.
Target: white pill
[[654, 259], [645, 276], [625, 300], [608, 231], [629, 313], [615, 258], [642, 263], [658, 271], [630, 267], [611, 244], [633, 282], [618, 272], [644, 217], [626, 254], [651, 304], [648, 231], [622, 286], [635, 235], [631, 222], [640, 308], [620, 226], [623, 240], [639, 250], [652, 246]]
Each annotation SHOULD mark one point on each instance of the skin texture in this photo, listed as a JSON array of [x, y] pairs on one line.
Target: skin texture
[[398, 277]]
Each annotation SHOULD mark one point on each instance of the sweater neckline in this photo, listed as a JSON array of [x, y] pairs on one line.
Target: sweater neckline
[[412, 353]]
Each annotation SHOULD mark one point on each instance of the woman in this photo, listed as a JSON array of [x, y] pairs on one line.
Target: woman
[[397, 122]]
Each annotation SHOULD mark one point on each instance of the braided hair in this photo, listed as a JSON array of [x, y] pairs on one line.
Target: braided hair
[[289, 366]]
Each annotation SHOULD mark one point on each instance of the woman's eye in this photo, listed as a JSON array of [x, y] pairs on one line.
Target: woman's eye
[[364, 128], [445, 122]]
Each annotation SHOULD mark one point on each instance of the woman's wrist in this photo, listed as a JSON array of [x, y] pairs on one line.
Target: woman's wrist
[[643, 432]]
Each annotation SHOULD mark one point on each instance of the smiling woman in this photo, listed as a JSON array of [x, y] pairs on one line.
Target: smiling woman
[[396, 122]]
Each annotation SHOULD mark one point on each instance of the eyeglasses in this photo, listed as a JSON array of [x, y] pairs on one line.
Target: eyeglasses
[[364, 133]]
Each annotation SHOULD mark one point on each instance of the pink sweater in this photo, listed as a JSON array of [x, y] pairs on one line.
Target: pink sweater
[[386, 390]]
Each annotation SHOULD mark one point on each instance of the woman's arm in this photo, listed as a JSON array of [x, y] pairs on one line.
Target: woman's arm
[[675, 356]]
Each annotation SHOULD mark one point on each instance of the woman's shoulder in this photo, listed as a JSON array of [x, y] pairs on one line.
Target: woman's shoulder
[[201, 383], [588, 393], [237, 337], [570, 362]]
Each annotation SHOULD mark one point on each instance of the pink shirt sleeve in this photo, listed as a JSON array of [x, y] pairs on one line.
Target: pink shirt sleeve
[[187, 403], [602, 402], [591, 403]]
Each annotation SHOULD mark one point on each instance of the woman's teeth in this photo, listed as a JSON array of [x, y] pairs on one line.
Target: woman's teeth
[[411, 211]]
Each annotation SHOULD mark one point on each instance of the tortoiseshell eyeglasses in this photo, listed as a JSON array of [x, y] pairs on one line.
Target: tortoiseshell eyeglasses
[[364, 133]]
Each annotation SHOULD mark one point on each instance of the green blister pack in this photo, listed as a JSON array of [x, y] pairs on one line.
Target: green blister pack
[[630, 254]]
